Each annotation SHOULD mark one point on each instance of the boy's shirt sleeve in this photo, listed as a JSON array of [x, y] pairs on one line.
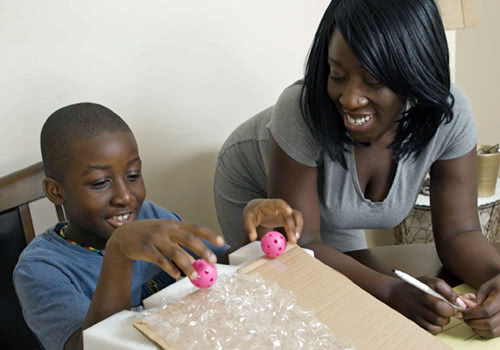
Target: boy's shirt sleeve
[[46, 294], [151, 210]]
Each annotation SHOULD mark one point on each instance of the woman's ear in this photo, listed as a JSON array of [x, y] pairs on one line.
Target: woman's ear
[[53, 190]]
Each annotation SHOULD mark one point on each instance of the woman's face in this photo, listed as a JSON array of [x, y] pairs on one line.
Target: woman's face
[[369, 109]]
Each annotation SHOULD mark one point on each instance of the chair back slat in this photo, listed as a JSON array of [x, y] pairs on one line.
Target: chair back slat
[[17, 191], [21, 187], [27, 222]]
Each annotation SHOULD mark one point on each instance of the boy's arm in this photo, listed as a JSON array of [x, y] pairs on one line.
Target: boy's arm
[[156, 241], [112, 294], [43, 305]]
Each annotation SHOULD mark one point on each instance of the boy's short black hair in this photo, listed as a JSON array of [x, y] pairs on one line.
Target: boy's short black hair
[[77, 122]]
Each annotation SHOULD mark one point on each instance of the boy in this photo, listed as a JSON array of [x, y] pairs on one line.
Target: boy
[[115, 248]]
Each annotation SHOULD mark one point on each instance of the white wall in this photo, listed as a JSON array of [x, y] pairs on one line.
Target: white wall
[[183, 74]]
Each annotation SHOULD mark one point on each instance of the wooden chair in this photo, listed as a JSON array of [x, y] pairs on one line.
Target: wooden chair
[[17, 191]]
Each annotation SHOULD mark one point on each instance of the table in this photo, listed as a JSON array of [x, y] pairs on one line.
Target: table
[[415, 259], [417, 227], [337, 302]]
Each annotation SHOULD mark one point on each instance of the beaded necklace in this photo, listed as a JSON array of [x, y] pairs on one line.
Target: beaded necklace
[[61, 233]]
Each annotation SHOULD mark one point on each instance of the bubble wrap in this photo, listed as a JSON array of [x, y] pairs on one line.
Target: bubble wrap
[[239, 312]]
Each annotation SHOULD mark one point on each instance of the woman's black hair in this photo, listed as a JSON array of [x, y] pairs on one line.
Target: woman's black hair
[[402, 44]]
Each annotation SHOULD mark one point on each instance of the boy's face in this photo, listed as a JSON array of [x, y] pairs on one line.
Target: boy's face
[[103, 186]]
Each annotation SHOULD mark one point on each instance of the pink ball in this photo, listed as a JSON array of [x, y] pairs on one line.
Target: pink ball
[[207, 274], [273, 244]]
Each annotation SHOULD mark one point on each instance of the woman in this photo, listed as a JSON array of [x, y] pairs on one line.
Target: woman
[[349, 146]]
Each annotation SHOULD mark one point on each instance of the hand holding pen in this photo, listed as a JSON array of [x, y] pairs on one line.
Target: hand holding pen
[[430, 312], [458, 305]]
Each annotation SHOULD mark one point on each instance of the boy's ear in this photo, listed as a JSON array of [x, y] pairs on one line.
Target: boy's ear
[[53, 190]]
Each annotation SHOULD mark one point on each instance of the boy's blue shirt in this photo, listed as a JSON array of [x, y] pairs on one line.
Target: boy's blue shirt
[[55, 281]]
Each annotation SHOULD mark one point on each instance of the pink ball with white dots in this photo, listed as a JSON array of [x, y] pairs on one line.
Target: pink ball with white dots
[[207, 274], [273, 244]]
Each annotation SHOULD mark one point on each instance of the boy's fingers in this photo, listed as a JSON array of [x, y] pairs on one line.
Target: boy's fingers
[[159, 259], [181, 258], [193, 243], [200, 232]]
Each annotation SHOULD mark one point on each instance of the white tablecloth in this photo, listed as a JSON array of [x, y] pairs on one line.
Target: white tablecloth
[[117, 332]]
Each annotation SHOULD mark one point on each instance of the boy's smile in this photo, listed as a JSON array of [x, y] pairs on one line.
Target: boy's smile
[[103, 187]]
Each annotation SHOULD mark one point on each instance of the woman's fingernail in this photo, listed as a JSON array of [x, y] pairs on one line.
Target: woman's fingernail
[[194, 276], [220, 240], [297, 235], [461, 303]]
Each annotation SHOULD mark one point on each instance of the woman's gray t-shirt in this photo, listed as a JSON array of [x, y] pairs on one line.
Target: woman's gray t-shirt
[[344, 209]]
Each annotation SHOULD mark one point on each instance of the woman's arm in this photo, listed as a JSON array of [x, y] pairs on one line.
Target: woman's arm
[[297, 184], [459, 242]]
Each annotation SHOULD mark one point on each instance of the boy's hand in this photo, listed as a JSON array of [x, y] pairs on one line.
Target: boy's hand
[[157, 241], [272, 213], [428, 312], [484, 317]]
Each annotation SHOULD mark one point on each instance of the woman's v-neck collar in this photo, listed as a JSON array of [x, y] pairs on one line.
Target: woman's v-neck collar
[[351, 164]]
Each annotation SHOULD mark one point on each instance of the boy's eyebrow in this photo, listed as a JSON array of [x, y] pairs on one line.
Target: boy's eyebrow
[[104, 167], [89, 168]]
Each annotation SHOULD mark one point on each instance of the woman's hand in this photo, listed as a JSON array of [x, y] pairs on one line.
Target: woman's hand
[[428, 312], [160, 241], [272, 213], [484, 318]]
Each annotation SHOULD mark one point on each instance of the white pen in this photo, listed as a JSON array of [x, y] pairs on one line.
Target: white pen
[[426, 289]]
